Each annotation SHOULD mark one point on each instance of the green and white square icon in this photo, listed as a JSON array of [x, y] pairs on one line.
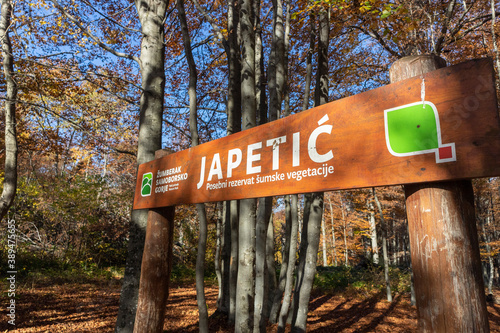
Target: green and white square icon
[[147, 184], [414, 129]]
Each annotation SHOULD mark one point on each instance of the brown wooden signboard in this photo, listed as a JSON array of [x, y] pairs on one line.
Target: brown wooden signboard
[[441, 126]]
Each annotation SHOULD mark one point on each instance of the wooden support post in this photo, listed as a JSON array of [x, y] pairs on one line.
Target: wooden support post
[[156, 268], [449, 286]]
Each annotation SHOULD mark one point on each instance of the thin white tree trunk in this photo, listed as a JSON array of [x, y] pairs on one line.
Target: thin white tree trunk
[[313, 209], [384, 247], [323, 241], [286, 253], [373, 235], [290, 265], [263, 215], [346, 248], [233, 126], [193, 127], [245, 292], [495, 45], [334, 243], [10, 171]]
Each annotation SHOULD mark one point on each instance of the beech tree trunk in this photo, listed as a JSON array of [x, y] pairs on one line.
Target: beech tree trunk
[[219, 268], [264, 209], [495, 43], [233, 126], [275, 308], [308, 257], [200, 208], [323, 242], [373, 235], [276, 74], [313, 208], [10, 174], [271, 267], [261, 281], [334, 246], [346, 248], [233, 270], [200, 268], [384, 246], [245, 292], [290, 264], [152, 66]]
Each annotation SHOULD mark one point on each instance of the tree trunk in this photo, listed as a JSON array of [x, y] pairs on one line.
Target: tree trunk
[[312, 42], [290, 265], [218, 258], [261, 281], [271, 266], [233, 126], [495, 45], [200, 269], [373, 235], [245, 292], [308, 256], [277, 62], [200, 208], [10, 174], [225, 258], [384, 246], [155, 271], [234, 81], [346, 248], [292, 212], [286, 85], [260, 74], [265, 204], [334, 246], [487, 241], [286, 252], [233, 269], [313, 209], [323, 241], [152, 67]]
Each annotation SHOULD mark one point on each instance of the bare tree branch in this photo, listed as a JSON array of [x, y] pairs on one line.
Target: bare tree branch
[[217, 30], [87, 32], [79, 127], [109, 18], [375, 35], [444, 29]]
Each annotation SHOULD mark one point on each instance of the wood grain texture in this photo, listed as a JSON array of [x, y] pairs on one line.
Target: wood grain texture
[[464, 96], [445, 258], [155, 270]]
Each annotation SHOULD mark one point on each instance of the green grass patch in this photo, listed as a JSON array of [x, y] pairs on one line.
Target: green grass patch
[[359, 281]]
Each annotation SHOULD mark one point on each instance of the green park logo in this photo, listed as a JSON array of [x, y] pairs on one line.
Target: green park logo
[[147, 184], [414, 129]]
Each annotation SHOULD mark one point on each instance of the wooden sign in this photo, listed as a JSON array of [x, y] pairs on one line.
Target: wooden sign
[[441, 126]]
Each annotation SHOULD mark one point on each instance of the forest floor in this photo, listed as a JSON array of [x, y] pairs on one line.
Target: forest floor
[[92, 307]]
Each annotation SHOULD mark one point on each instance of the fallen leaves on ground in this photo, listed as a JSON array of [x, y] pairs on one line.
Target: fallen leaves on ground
[[93, 308]]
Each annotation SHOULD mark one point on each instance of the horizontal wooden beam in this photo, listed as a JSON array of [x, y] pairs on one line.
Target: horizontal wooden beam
[[439, 126]]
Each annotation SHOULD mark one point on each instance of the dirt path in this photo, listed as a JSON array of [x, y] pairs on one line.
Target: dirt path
[[93, 308]]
